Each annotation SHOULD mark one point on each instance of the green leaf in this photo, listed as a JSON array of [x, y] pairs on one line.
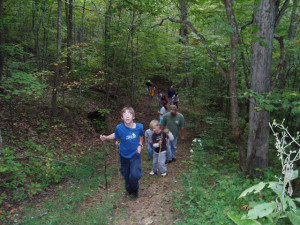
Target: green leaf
[[290, 202], [294, 217], [261, 210], [238, 221], [256, 188], [297, 199], [277, 188], [295, 175]]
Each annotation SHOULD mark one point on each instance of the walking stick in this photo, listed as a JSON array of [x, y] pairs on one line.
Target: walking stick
[[161, 137], [118, 156]]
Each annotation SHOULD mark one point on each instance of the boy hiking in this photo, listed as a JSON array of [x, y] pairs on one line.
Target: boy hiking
[[131, 144], [148, 139], [159, 139]]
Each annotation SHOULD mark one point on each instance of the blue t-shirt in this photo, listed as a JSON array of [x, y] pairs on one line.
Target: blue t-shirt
[[129, 138]]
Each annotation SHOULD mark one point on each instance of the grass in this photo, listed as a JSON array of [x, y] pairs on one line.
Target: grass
[[77, 202], [212, 187]]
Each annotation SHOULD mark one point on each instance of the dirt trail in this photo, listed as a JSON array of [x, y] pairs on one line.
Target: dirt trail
[[153, 206]]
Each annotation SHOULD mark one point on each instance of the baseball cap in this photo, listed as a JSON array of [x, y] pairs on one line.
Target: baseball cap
[[173, 108]]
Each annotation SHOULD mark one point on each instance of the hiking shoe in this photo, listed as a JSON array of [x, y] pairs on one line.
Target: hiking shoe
[[164, 174], [134, 195], [151, 173]]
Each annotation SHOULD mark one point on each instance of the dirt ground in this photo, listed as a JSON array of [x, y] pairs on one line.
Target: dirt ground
[[154, 204]]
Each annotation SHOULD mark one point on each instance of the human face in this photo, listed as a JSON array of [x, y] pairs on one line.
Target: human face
[[156, 129], [173, 113], [127, 117]]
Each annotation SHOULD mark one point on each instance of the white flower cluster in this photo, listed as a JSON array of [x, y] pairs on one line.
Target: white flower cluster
[[196, 141]]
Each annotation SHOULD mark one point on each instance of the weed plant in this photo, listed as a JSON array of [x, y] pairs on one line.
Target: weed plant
[[213, 184]]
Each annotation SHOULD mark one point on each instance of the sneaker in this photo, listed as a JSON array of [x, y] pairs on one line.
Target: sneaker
[[174, 159], [164, 174], [134, 195], [151, 173]]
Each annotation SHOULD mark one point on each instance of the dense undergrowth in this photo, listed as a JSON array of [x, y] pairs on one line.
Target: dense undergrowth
[[213, 184]]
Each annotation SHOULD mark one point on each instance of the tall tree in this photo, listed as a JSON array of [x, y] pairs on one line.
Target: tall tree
[[57, 71], [1, 40], [183, 32], [69, 22], [234, 40], [261, 65], [291, 34]]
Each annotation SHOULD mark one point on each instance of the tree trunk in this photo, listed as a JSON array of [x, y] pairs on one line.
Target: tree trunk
[[57, 71], [183, 32], [291, 34], [232, 84], [132, 61], [261, 65], [69, 16], [1, 40], [107, 38], [81, 46], [45, 37]]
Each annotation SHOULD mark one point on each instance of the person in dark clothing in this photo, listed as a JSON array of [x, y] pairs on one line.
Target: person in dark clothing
[[159, 139], [171, 92]]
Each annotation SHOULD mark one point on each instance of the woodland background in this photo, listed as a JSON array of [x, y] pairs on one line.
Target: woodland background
[[67, 67]]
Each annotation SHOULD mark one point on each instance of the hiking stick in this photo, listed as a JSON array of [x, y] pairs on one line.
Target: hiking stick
[[161, 137], [105, 165], [118, 156]]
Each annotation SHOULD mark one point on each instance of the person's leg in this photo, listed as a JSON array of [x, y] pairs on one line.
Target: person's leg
[[150, 149], [125, 171], [155, 162], [173, 145], [135, 173], [169, 151], [162, 160]]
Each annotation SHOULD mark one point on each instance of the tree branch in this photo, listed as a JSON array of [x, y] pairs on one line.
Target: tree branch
[[281, 12], [203, 40], [280, 39]]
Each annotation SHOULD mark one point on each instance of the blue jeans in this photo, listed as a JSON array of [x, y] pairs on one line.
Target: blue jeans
[[161, 164], [131, 170], [172, 146], [150, 149]]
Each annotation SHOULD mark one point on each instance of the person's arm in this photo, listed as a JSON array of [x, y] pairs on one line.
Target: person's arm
[[169, 134], [182, 133], [139, 149], [109, 137]]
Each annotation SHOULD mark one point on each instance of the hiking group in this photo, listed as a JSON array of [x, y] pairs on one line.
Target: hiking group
[[161, 139]]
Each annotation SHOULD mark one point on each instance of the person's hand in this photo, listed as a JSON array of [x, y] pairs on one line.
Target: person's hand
[[166, 131], [139, 149], [160, 143], [102, 137], [182, 137]]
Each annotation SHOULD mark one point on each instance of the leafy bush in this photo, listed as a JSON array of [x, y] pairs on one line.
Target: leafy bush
[[27, 175], [272, 211], [21, 84]]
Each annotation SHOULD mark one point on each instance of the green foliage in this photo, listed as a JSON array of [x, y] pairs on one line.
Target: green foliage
[[209, 186], [284, 206], [22, 85], [74, 204], [27, 175], [288, 101]]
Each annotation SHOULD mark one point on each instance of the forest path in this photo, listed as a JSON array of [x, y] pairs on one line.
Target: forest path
[[153, 206]]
